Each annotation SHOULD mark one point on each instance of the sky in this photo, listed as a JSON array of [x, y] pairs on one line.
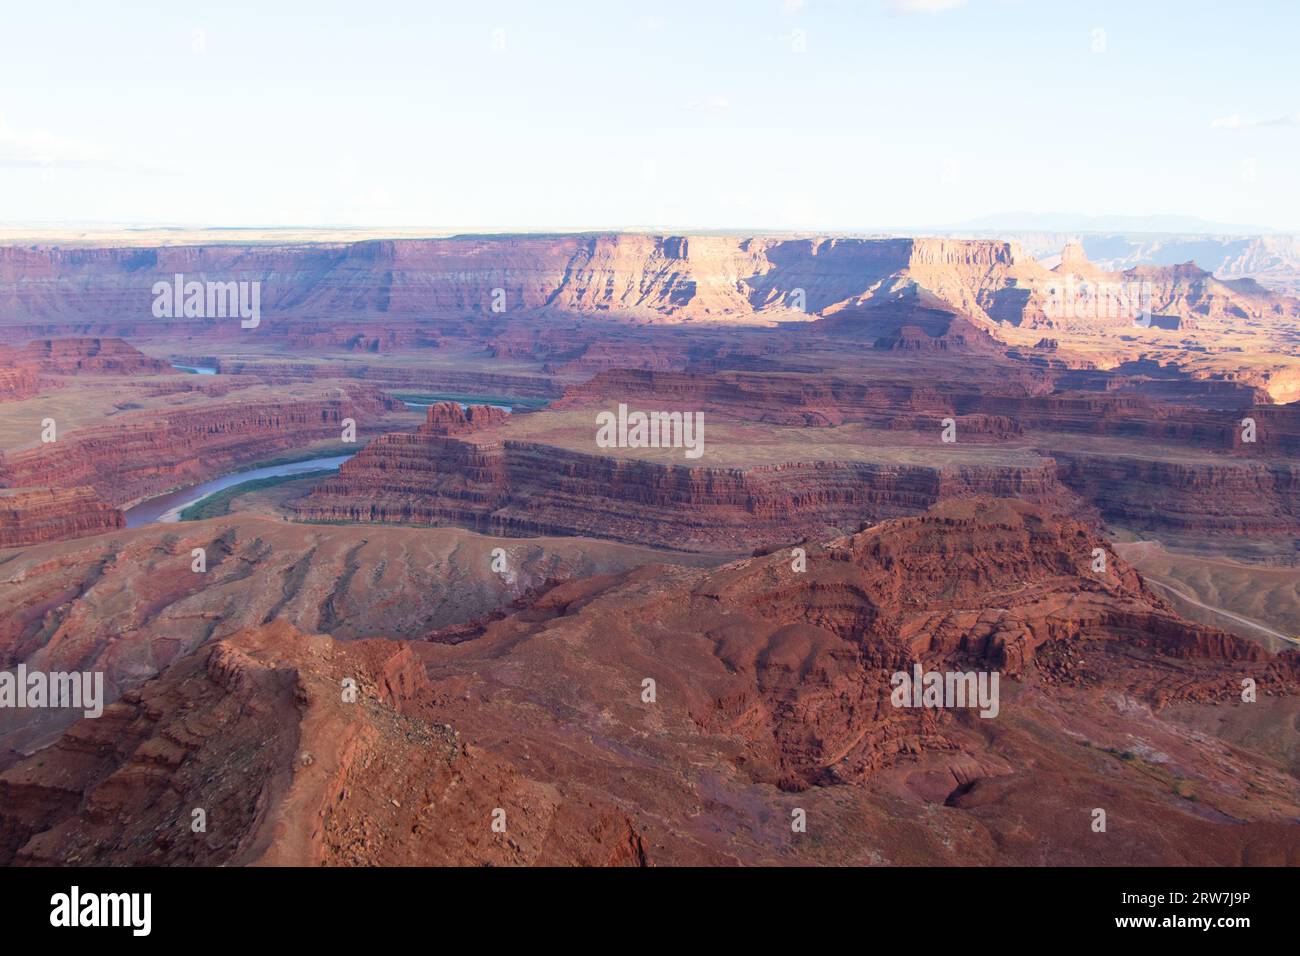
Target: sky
[[818, 115]]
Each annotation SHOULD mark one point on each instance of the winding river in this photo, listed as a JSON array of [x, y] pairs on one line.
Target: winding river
[[168, 507]]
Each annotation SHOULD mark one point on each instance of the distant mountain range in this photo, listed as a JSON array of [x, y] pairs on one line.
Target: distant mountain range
[[1076, 222], [1272, 260]]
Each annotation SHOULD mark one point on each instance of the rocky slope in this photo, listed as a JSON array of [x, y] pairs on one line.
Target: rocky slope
[[129, 603], [771, 701]]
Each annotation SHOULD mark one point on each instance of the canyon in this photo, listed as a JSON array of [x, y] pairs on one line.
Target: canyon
[[912, 456], [412, 458], [97, 425], [144, 453]]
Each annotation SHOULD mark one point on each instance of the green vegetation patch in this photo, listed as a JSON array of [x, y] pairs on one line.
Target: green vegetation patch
[[420, 398], [217, 504]]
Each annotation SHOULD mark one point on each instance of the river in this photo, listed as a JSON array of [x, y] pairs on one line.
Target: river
[[168, 507], [463, 405]]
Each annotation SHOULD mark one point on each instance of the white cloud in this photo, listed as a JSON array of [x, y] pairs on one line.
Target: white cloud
[[710, 104], [45, 150], [924, 6], [39, 149], [1236, 122]]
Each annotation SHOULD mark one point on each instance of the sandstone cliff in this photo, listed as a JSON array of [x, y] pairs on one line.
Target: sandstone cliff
[[91, 356], [1098, 444], [31, 516], [628, 276], [443, 474]]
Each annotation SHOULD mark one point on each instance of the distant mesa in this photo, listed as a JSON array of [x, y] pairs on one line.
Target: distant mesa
[[628, 277], [21, 368]]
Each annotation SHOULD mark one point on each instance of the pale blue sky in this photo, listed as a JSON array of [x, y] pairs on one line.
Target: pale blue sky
[[698, 114]]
